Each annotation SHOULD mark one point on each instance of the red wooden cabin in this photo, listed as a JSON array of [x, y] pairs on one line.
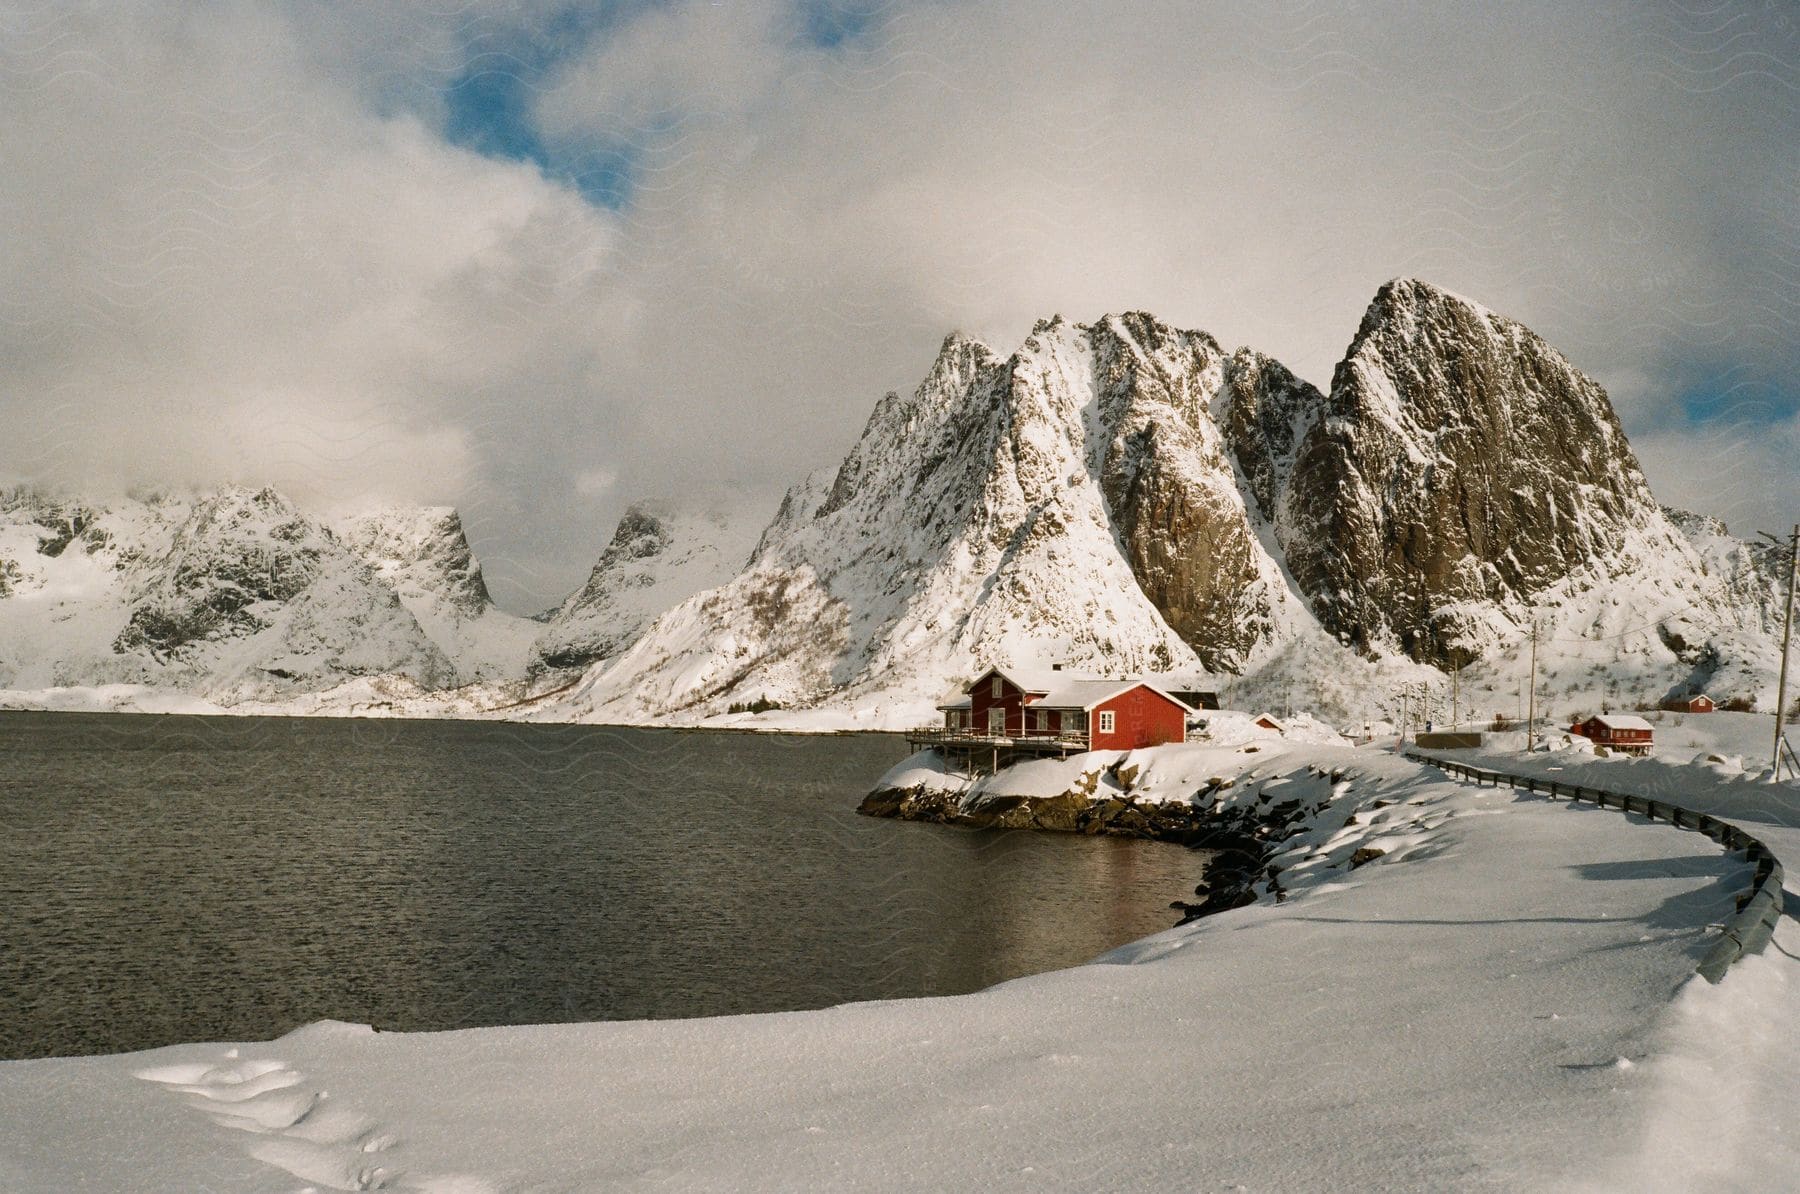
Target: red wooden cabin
[[1697, 702], [1071, 710], [1617, 732]]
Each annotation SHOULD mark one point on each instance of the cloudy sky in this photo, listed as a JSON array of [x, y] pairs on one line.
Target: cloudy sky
[[539, 259]]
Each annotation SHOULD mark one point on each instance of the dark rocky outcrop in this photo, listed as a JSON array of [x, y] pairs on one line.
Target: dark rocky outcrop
[[1169, 486], [1266, 416], [1462, 462], [1243, 837], [236, 556]]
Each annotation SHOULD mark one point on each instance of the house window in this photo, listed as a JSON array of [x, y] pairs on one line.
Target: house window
[[1106, 722], [996, 688], [997, 721], [1040, 720]]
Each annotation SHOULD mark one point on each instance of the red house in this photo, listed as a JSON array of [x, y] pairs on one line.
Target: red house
[[1617, 732], [1066, 711], [1697, 702]]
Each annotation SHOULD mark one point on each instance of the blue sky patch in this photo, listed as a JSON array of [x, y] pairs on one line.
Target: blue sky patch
[[489, 103]]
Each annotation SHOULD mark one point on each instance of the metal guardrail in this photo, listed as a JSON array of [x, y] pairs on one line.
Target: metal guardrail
[[1749, 929]]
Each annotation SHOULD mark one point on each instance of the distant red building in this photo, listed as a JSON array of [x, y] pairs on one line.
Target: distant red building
[[1066, 710], [1693, 703], [1617, 732]]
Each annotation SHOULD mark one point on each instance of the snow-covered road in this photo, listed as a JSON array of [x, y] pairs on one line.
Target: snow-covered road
[[1508, 1003]]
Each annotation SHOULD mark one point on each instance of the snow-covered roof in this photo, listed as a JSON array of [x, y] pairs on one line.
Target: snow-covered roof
[[1623, 721], [953, 701], [1181, 681], [1033, 679], [1271, 719], [1086, 693]]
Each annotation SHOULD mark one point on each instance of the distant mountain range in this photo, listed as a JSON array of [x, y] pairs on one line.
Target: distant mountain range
[[1118, 496]]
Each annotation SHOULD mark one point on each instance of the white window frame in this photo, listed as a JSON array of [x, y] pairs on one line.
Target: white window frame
[[996, 721], [1040, 720], [1107, 721], [996, 690]]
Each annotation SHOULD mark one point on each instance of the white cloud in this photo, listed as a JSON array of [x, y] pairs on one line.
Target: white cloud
[[237, 243]]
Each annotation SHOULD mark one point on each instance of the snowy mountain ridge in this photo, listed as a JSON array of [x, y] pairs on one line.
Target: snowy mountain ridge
[[234, 596], [658, 556], [1125, 496], [1119, 496]]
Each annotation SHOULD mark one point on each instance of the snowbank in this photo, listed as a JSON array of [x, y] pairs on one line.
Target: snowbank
[[108, 698]]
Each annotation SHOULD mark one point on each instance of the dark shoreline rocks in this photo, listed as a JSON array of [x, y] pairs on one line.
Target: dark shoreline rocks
[[1245, 838]]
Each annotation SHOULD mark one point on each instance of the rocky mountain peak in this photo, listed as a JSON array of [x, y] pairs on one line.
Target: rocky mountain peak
[[656, 557], [423, 552], [252, 596], [1463, 466]]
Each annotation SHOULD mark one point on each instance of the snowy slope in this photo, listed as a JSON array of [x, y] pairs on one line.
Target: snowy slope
[[423, 555], [658, 557], [67, 574]]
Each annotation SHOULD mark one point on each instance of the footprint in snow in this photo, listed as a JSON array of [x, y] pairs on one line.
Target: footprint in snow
[[295, 1126]]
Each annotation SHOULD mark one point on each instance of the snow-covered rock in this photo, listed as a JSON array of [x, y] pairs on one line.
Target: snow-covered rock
[[658, 557], [1461, 467], [230, 596], [424, 556], [253, 598]]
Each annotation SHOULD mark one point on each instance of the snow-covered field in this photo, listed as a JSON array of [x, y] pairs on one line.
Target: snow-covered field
[[1505, 999]]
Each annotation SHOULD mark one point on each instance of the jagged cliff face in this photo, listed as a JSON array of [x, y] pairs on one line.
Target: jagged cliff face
[[423, 555], [421, 551], [1171, 489], [657, 557], [1462, 466], [1266, 415]]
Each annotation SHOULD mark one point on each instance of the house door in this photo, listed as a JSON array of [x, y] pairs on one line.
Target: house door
[[997, 721]]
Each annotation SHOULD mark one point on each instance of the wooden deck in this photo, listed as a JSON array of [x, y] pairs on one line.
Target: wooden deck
[[995, 750]]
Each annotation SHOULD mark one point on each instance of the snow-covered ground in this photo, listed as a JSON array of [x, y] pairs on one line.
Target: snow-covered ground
[[1504, 1000]]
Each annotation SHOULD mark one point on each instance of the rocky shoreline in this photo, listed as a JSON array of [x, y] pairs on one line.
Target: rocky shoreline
[[1244, 838]]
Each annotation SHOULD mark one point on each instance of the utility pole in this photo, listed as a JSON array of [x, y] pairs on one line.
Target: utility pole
[[1787, 634], [1531, 708]]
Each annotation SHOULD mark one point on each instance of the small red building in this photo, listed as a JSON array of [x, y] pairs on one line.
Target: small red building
[[1697, 702], [1617, 732], [1066, 710]]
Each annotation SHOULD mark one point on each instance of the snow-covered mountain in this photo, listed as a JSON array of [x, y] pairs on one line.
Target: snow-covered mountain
[[1072, 501], [1128, 496], [237, 596], [1116, 496], [658, 557], [1460, 467], [423, 555]]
